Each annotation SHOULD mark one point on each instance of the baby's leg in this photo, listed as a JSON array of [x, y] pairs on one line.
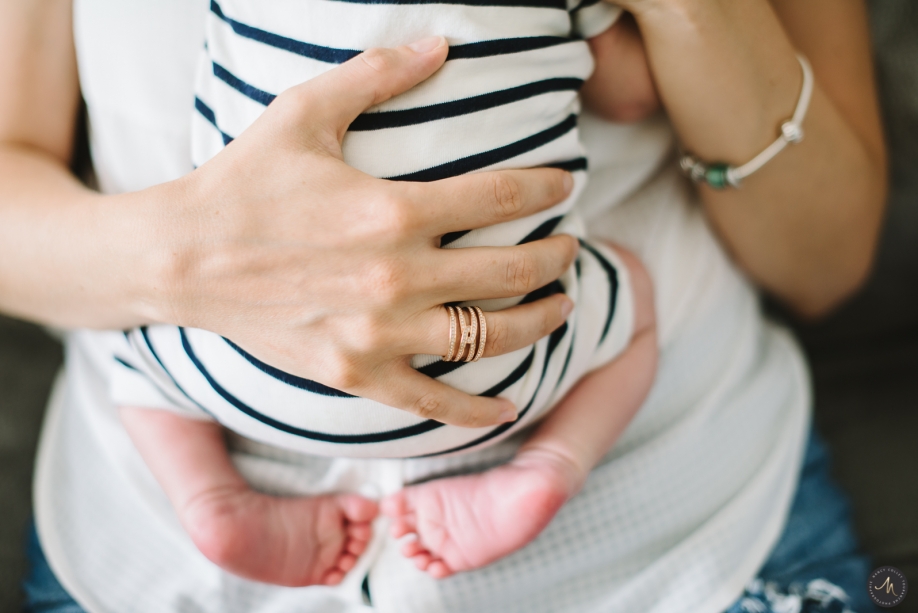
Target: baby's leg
[[467, 522], [284, 541]]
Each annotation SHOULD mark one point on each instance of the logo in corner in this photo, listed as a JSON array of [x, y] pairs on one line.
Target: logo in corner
[[887, 586]]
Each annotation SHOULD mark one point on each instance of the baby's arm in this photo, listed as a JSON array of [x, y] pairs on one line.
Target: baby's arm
[[284, 541], [621, 88], [584, 426]]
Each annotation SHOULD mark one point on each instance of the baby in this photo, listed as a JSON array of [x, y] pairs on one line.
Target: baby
[[506, 98]]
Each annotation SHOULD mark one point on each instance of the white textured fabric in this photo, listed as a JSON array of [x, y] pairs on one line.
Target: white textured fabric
[[677, 518], [506, 98]]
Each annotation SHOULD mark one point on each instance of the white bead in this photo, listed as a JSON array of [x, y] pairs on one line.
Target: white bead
[[792, 132]]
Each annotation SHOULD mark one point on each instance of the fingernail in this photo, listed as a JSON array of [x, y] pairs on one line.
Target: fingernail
[[568, 182], [508, 413], [566, 307], [426, 45]]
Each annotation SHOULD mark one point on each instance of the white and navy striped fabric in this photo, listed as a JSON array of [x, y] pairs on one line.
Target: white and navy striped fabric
[[506, 98]]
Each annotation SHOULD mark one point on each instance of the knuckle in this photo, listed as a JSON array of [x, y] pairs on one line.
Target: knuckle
[[508, 198], [428, 406], [522, 272], [345, 373], [388, 283], [394, 217], [368, 336]]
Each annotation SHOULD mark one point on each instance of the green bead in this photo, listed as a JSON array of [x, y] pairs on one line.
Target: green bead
[[716, 175]]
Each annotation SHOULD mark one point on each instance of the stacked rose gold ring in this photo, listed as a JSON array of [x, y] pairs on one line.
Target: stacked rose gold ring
[[469, 330]]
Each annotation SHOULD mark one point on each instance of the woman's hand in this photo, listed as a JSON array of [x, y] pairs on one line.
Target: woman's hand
[[326, 272], [276, 243], [806, 225]]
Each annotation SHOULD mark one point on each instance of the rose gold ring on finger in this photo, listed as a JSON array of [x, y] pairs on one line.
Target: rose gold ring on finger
[[463, 334], [473, 333], [482, 334], [452, 334]]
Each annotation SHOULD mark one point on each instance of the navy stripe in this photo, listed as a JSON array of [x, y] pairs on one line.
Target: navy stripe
[[323, 54], [584, 4], [146, 338], [612, 274], [209, 115], [570, 350], [542, 4], [569, 165], [494, 156], [512, 378], [567, 362], [375, 437], [543, 231], [292, 380], [241, 86], [504, 46], [451, 237], [555, 287], [332, 55], [553, 342], [126, 365], [465, 106], [440, 368], [165, 392]]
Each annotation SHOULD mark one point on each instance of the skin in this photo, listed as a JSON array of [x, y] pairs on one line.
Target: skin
[[805, 227], [463, 523], [458, 524], [312, 266]]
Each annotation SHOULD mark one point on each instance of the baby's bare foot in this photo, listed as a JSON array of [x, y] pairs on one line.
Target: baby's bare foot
[[467, 522], [283, 541]]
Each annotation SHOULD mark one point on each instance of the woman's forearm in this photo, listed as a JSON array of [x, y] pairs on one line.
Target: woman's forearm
[[71, 257], [805, 226]]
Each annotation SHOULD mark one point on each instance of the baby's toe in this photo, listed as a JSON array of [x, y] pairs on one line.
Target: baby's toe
[[394, 505], [346, 562], [412, 548], [333, 577], [402, 526], [439, 570], [357, 508], [359, 532], [355, 547], [422, 560]]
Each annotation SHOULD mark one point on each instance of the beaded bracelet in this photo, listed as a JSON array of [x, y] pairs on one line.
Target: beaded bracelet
[[719, 174]]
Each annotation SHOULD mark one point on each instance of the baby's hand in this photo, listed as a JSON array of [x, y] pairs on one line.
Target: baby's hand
[[621, 88]]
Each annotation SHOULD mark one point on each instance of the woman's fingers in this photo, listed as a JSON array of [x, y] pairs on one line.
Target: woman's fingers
[[481, 273], [507, 330], [402, 387], [337, 97], [484, 199]]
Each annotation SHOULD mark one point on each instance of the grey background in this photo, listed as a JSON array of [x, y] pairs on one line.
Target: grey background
[[864, 358]]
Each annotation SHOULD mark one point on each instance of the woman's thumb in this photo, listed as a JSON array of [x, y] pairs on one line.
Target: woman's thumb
[[337, 97]]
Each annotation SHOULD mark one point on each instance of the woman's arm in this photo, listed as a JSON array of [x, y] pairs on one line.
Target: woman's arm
[[805, 226], [310, 265]]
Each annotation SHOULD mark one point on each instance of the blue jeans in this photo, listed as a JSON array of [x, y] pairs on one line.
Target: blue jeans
[[818, 543]]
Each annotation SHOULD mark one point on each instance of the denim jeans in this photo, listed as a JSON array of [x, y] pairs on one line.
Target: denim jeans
[[818, 543]]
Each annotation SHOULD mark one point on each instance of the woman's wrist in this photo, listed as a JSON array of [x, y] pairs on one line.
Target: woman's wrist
[[726, 72], [156, 237]]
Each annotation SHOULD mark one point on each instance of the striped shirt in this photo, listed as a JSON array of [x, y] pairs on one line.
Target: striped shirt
[[506, 98]]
